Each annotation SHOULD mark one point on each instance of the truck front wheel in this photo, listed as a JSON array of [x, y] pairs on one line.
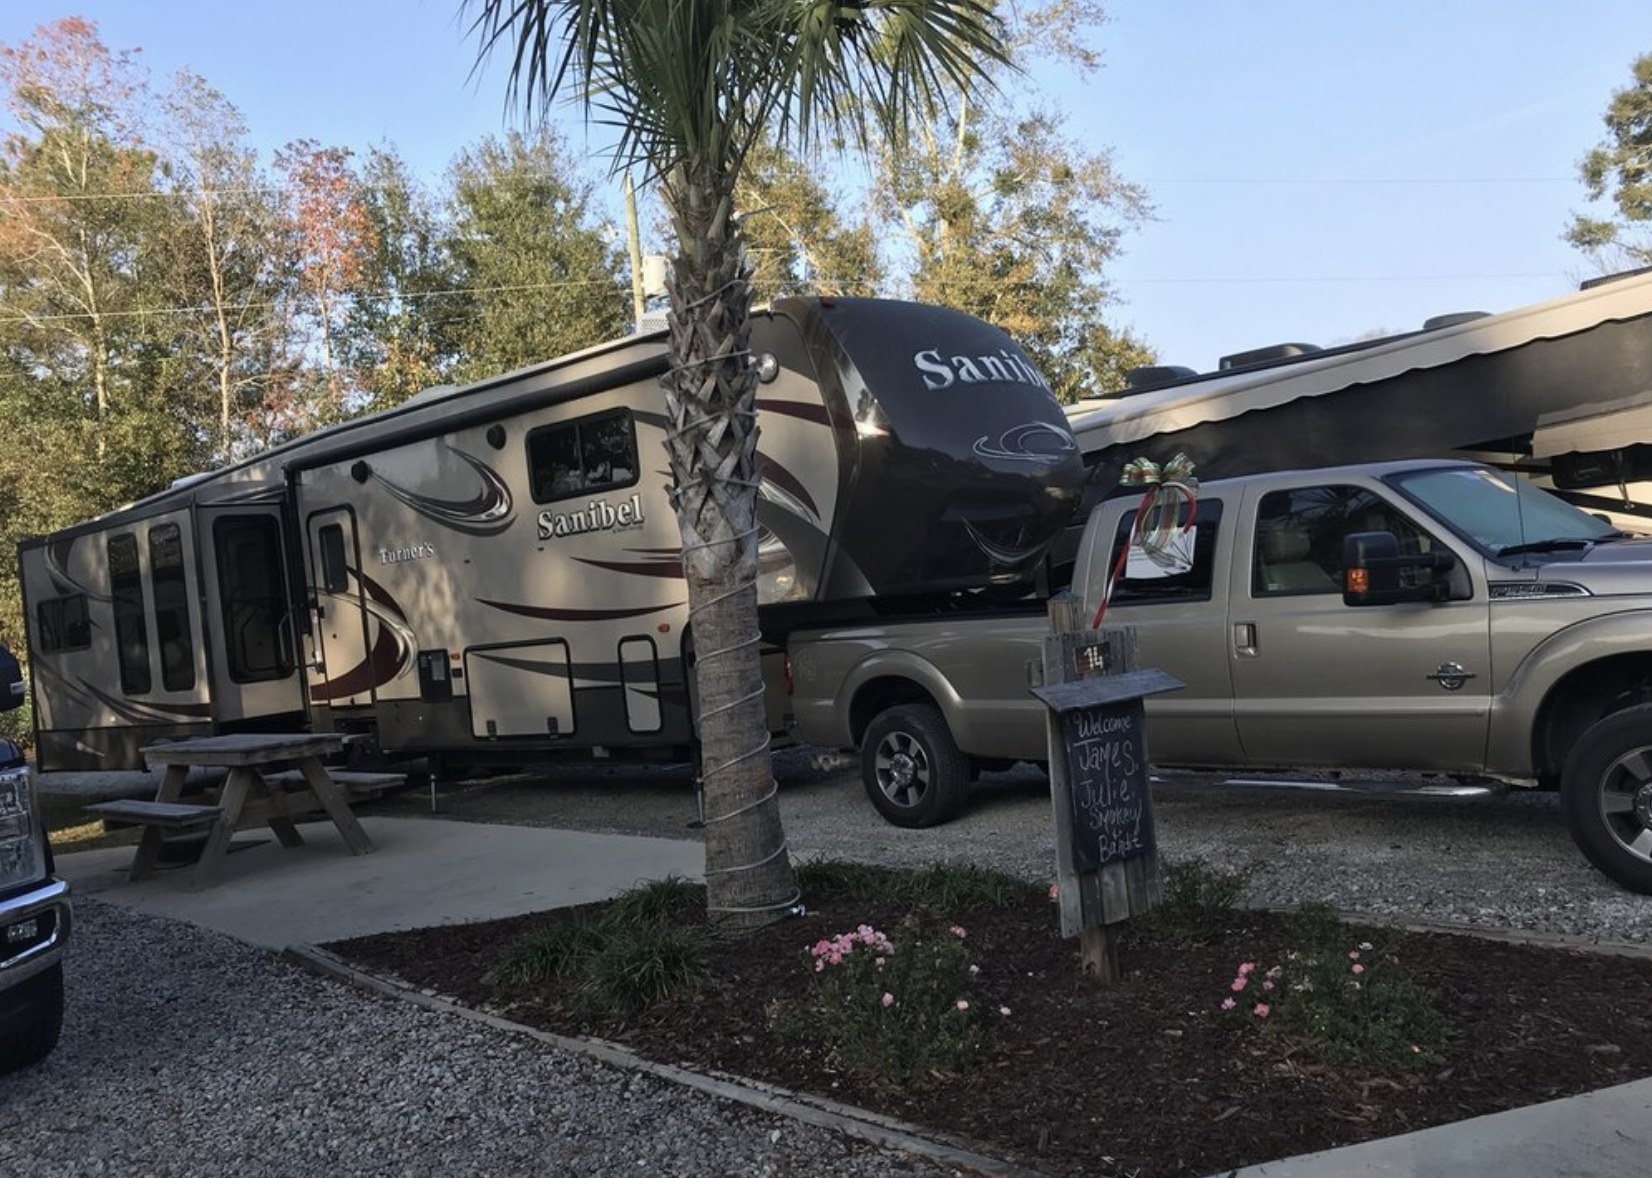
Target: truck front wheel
[[1606, 795], [912, 769]]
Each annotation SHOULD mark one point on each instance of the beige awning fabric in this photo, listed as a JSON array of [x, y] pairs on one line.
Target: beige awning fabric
[[1610, 429]]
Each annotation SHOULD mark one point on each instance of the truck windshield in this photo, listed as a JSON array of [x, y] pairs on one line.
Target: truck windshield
[[1502, 513]]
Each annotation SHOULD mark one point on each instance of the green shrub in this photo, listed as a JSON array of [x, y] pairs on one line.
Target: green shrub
[[894, 1008], [664, 901], [631, 957], [1197, 900], [640, 964], [839, 877], [947, 886], [546, 952]]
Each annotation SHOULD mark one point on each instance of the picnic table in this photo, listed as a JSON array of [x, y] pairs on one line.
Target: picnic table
[[260, 790]]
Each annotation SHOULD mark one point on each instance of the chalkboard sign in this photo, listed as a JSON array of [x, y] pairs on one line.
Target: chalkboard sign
[[1107, 783]]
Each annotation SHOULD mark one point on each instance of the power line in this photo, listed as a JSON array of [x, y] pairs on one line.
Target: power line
[[208, 308]]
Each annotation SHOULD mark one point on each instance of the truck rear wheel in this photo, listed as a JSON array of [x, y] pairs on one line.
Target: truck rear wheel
[[911, 767], [1606, 795]]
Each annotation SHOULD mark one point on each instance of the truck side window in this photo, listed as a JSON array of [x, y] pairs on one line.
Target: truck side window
[[1298, 545], [1181, 572]]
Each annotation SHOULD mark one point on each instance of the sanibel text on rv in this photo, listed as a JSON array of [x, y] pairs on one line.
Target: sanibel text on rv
[[597, 516], [942, 372]]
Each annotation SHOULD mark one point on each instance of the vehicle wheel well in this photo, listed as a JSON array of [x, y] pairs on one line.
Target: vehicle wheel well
[[1582, 697], [879, 696]]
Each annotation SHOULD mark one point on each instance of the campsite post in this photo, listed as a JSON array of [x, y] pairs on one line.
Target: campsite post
[[1107, 864]]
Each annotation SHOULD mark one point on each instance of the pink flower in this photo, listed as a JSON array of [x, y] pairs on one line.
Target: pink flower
[[1353, 955], [962, 1005], [1228, 1004], [1245, 968], [1055, 891], [958, 931], [878, 961], [1358, 968], [1267, 985], [1238, 984], [889, 1000], [1262, 1010]]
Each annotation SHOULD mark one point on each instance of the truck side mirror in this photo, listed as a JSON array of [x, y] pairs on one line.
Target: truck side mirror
[[1371, 568]]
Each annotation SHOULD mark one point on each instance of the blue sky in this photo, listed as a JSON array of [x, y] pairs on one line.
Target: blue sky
[[1319, 170]]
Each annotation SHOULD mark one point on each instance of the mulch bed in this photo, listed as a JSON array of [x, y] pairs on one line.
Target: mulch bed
[[1148, 1077]]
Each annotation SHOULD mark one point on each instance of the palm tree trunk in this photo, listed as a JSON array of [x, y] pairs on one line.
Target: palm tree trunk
[[711, 397]]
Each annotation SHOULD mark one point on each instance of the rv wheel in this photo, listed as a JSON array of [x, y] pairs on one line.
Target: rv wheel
[[912, 770], [1606, 796]]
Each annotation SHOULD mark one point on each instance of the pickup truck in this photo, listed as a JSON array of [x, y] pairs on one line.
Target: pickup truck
[[1419, 615], [34, 906]]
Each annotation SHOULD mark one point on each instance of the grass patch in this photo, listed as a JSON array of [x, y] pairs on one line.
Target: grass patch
[[547, 952], [640, 964]]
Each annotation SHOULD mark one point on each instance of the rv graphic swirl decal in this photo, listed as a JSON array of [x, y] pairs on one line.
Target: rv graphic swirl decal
[[1036, 441], [489, 511]]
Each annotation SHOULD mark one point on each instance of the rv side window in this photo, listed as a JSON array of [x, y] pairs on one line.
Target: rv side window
[[1175, 564], [250, 582], [126, 595], [333, 579], [582, 457], [172, 632], [63, 624]]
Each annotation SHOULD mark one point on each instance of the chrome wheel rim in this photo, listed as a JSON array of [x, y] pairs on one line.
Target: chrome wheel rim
[[1625, 800], [902, 768]]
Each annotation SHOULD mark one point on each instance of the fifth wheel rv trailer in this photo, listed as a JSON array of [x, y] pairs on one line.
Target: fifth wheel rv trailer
[[1561, 391], [492, 572]]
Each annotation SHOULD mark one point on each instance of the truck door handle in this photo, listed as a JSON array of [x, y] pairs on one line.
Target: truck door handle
[[1244, 639]]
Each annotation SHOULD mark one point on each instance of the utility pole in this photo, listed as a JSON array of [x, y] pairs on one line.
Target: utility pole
[[633, 241]]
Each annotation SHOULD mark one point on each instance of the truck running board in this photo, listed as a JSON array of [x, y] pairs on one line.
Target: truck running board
[[1412, 788]]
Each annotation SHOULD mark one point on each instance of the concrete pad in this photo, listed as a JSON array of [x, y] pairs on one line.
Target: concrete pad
[[421, 872], [1598, 1135]]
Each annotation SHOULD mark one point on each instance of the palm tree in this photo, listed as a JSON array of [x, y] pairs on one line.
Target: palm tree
[[692, 86]]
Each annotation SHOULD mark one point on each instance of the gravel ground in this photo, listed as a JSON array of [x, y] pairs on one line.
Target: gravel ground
[[188, 1053], [1505, 861]]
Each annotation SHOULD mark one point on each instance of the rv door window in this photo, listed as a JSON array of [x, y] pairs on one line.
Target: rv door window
[[250, 584], [63, 624], [172, 630], [593, 454], [131, 632], [333, 578]]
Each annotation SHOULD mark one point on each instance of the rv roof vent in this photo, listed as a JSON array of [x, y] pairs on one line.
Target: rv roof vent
[[1266, 355], [651, 321], [1153, 376], [184, 480], [1435, 322]]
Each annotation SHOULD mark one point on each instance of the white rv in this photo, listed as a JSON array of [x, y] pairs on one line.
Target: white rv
[[492, 572]]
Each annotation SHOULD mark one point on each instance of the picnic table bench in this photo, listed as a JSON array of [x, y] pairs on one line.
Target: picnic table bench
[[255, 793]]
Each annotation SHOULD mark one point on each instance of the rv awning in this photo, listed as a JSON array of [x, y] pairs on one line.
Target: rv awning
[[1611, 429]]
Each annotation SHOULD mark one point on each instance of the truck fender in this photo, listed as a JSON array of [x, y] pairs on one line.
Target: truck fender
[[1517, 711], [892, 665]]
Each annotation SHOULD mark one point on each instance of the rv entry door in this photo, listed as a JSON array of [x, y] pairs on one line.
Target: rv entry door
[[248, 616], [342, 669]]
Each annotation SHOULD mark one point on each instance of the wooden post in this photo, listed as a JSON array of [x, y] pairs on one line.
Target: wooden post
[[1107, 862]]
